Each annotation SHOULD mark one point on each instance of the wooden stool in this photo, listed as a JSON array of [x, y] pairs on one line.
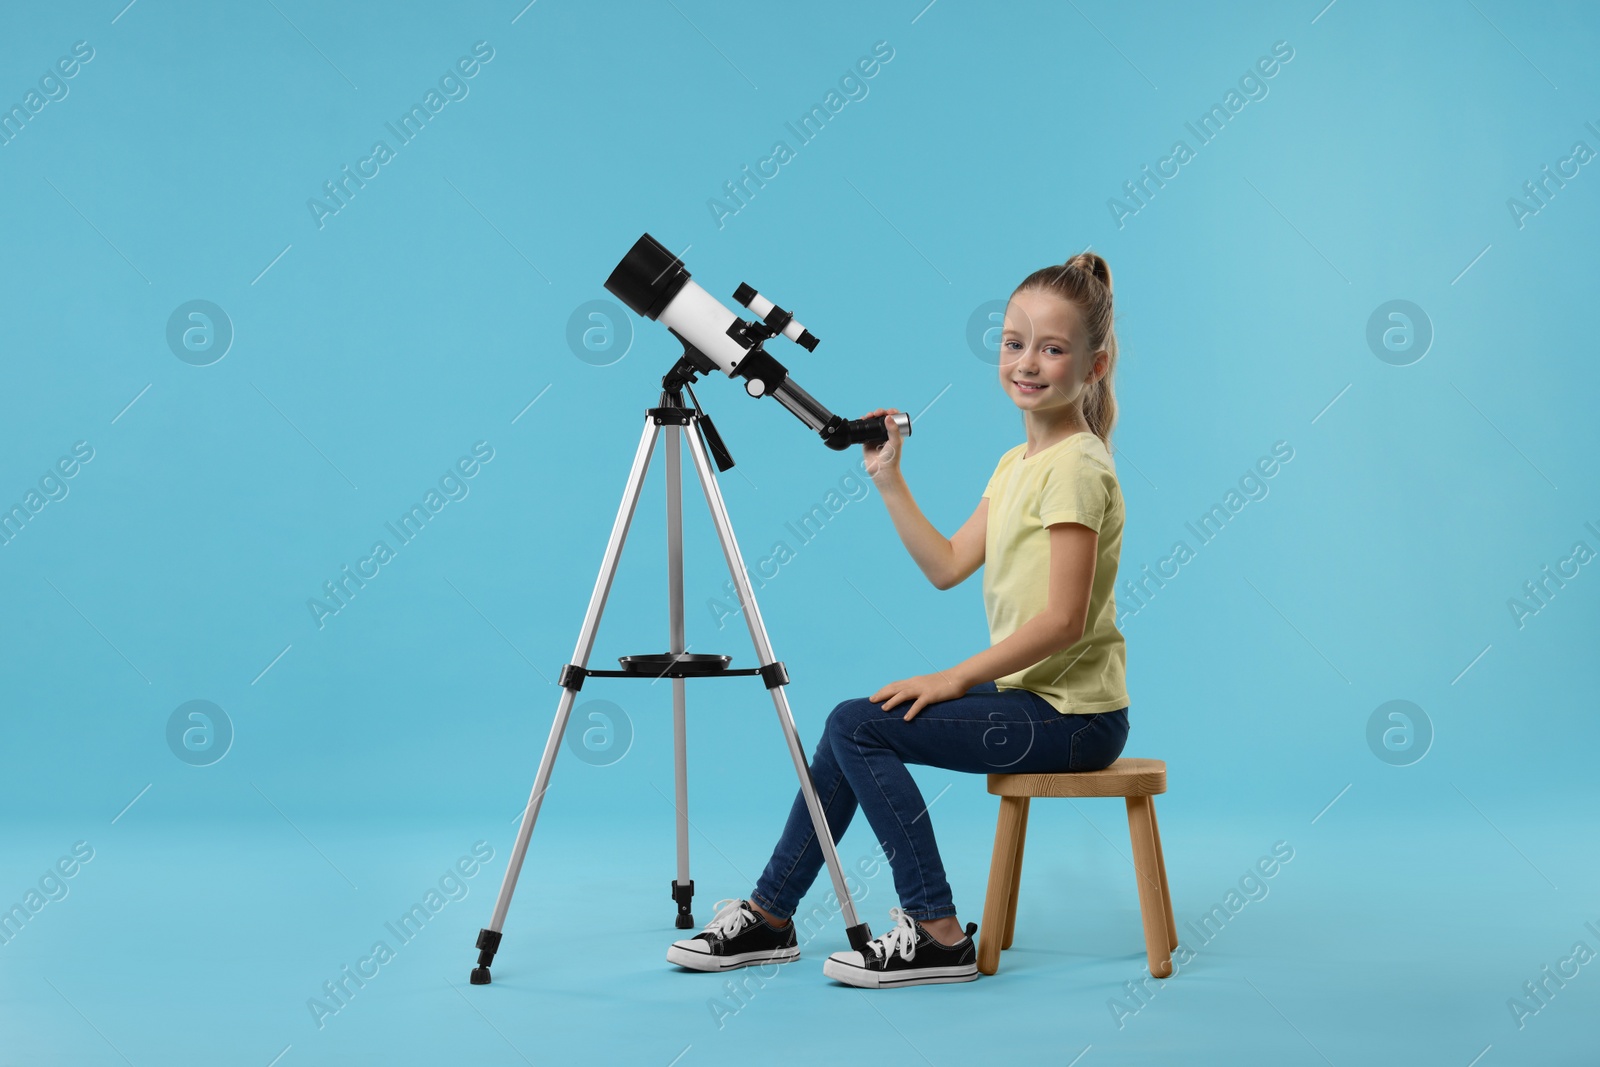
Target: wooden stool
[[1135, 780]]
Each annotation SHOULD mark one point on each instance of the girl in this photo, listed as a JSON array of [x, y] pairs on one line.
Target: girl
[[1047, 696]]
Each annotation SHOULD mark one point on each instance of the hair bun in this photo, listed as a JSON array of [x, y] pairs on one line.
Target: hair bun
[[1095, 265]]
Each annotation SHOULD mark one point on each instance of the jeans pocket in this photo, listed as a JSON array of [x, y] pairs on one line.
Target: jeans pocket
[[1097, 743]]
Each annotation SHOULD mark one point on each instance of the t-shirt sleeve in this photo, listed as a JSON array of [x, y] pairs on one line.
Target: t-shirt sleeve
[[1076, 489], [988, 490]]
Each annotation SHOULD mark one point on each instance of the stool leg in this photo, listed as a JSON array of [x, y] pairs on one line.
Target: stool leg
[[1161, 865], [991, 933], [1016, 876], [1151, 908]]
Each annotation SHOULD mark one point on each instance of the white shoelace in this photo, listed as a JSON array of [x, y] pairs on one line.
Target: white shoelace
[[732, 916], [903, 937]]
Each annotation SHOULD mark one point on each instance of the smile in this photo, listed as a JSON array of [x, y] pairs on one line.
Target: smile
[[1029, 387]]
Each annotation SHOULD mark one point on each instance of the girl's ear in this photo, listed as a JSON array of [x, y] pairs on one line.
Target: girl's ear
[[1102, 363]]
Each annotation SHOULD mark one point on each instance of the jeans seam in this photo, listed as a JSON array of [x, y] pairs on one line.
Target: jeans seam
[[811, 836], [1073, 746], [922, 874]]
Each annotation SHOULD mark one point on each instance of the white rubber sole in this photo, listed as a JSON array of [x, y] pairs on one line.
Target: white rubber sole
[[867, 978], [705, 961]]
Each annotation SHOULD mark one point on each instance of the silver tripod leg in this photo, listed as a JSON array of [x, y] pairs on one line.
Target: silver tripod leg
[[489, 937], [683, 885], [855, 929]]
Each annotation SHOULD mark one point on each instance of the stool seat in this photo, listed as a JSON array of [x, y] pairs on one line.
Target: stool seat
[[1124, 778], [1137, 781]]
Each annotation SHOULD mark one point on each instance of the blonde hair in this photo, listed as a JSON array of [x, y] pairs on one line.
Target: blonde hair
[[1085, 282]]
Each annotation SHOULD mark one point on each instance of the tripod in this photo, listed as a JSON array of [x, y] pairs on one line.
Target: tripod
[[676, 664]]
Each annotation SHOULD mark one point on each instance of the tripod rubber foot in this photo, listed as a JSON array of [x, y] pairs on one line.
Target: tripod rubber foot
[[488, 945], [683, 895]]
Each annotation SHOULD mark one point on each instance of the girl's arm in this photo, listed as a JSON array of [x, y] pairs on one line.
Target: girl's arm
[[945, 562], [1060, 625]]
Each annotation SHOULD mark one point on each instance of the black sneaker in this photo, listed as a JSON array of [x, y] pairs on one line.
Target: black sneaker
[[737, 937], [906, 955]]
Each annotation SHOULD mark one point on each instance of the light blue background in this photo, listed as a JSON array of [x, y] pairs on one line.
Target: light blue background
[[370, 353]]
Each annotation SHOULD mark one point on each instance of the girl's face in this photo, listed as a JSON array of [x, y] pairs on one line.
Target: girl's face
[[1045, 362]]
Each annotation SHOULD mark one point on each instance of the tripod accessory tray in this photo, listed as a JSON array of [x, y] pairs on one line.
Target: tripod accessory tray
[[670, 665], [682, 665]]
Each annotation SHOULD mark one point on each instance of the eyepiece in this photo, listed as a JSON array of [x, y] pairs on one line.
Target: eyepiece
[[648, 277]]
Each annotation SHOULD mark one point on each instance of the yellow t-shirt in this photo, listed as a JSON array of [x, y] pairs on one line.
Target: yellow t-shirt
[[1073, 480]]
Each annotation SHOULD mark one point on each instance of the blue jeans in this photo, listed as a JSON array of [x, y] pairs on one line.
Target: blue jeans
[[861, 759]]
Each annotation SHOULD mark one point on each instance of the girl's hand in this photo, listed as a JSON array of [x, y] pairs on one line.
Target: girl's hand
[[883, 457], [923, 690]]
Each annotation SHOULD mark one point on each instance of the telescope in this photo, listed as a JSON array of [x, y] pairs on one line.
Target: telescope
[[654, 283]]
